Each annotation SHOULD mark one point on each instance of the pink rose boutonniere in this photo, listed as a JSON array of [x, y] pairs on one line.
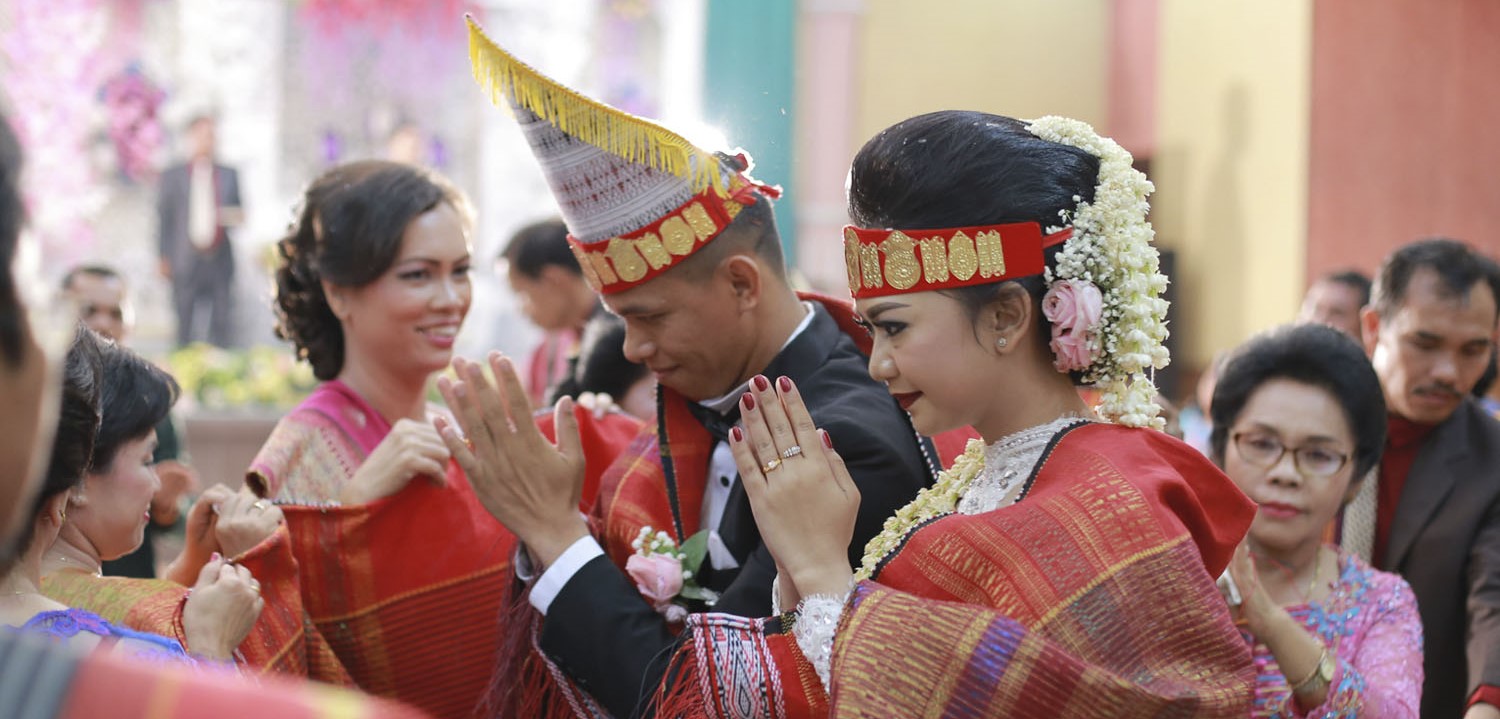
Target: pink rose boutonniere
[[664, 572], [1074, 307]]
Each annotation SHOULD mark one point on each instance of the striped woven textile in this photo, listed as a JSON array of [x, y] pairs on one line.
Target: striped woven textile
[[40, 679], [409, 590], [1092, 597], [282, 641]]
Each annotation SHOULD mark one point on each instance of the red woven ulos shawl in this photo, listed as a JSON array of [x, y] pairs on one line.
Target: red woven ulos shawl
[[1094, 596], [409, 590]]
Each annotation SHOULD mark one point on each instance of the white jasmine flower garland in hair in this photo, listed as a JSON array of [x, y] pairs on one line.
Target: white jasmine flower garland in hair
[[1111, 249]]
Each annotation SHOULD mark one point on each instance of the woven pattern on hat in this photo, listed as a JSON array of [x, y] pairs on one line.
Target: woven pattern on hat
[[600, 195]]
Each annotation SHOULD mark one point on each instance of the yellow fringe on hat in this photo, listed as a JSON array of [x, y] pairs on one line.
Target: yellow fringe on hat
[[617, 132]]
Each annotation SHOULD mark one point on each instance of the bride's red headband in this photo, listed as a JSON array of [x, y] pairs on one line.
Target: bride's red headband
[[889, 262]]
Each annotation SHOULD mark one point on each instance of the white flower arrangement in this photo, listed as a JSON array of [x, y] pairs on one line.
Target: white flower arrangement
[[1111, 249]]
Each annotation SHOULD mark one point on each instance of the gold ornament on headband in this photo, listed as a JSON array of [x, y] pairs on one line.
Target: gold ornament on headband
[[887, 262]]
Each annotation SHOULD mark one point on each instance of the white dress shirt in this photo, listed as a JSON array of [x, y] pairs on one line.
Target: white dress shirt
[[722, 476], [203, 222]]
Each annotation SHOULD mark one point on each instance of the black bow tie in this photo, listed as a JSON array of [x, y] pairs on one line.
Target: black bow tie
[[716, 423]]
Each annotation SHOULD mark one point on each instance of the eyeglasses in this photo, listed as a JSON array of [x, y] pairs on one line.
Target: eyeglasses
[[1265, 451]]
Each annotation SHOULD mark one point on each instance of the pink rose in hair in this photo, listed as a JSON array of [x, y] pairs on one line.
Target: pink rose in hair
[[1072, 352], [1074, 307], [659, 577]]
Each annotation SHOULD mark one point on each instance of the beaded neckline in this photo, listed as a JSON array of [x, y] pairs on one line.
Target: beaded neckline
[[1015, 459], [1007, 463]]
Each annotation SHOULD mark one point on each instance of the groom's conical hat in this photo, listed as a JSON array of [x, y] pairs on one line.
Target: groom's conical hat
[[637, 198]]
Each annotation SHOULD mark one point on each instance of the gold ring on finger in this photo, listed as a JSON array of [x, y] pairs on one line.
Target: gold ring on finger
[[791, 451], [770, 466]]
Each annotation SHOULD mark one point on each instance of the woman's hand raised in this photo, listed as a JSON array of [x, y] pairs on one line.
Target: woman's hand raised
[[411, 449], [245, 521], [1257, 609], [201, 540], [805, 502]]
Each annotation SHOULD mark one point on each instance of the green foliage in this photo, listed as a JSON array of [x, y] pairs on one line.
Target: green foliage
[[260, 377]]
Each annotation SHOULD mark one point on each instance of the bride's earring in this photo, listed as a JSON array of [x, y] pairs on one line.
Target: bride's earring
[[1002, 342]]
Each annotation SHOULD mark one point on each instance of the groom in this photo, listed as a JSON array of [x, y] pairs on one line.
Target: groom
[[682, 244]]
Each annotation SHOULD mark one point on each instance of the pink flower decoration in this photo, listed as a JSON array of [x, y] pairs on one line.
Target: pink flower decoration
[[1074, 307], [659, 577]]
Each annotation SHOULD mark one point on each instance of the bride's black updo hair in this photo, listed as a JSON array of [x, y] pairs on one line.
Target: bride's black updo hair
[[348, 231], [960, 168]]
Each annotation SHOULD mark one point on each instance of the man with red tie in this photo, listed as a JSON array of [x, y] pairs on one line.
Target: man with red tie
[[198, 203]]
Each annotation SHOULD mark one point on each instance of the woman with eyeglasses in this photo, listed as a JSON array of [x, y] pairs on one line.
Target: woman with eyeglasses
[[1298, 420]]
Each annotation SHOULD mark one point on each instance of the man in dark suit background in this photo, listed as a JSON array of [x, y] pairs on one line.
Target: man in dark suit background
[[1430, 330], [198, 203]]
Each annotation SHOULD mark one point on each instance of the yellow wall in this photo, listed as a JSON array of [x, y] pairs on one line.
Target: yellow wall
[[1231, 165], [1020, 58], [1232, 126]]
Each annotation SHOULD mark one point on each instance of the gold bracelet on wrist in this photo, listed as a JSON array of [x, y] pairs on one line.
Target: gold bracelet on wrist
[[1319, 671]]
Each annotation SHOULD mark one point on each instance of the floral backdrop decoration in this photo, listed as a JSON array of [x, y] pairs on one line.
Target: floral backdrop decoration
[[132, 102]]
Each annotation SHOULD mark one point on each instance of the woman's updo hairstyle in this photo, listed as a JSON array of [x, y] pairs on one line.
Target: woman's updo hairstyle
[[348, 231], [960, 168], [134, 397], [1309, 354]]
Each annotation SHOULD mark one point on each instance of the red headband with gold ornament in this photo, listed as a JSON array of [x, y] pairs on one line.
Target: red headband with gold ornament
[[629, 260], [890, 262]]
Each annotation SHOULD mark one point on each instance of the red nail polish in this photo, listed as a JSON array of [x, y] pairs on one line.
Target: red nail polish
[[736, 434], [748, 401], [785, 383], [827, 438], [761, 383]]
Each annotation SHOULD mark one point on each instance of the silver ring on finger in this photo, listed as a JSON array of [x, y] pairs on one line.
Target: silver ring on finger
[[791, 451], [770, 466], [260, 505]]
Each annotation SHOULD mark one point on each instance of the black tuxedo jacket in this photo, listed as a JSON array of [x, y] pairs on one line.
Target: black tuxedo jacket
[[613, 644]]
